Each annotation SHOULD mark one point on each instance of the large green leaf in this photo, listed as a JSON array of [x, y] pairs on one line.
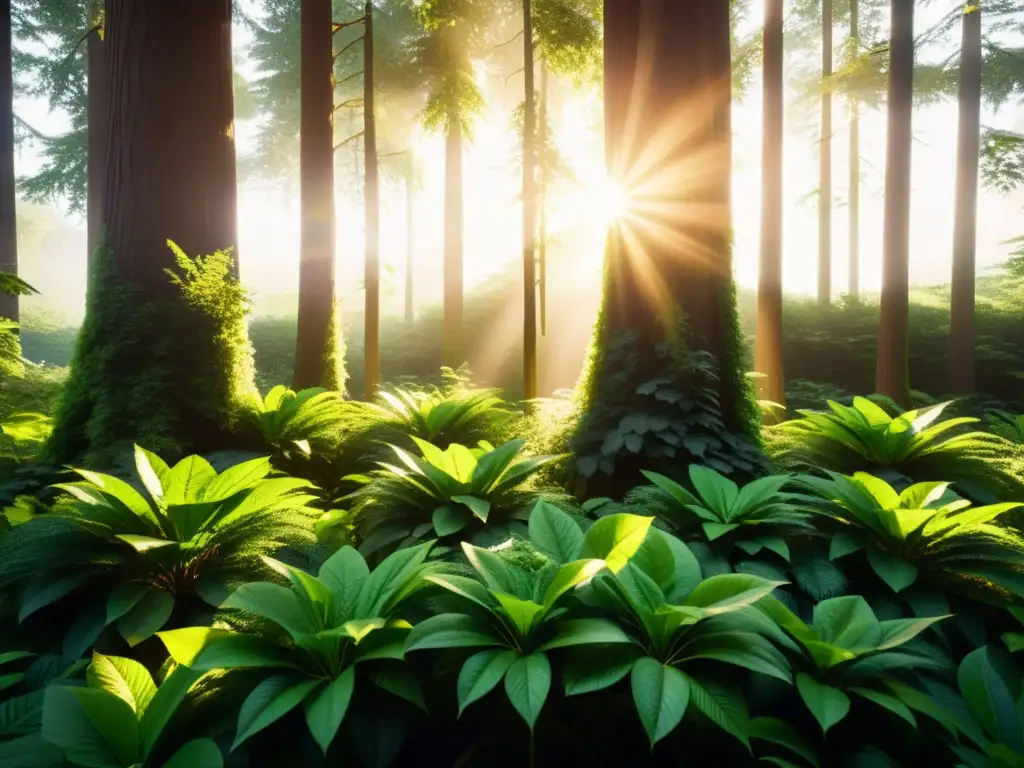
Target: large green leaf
[[586, 632], [153, 471], [237, 478], [315, 597], [188, 479], [661, 694], [396, 678], [481, 508], [723, 705], [274, 602], [523, 613], [326, 710], [893, 570], [201, 753], [146, 617], [451, 630], [555, 533], [21, 715], [203, 649], [570, 576], [989, 698], [481, 673], [448, 520], [390, 580], [527, 683], [124, 678], [41, 593], [123, 493], [344, 573], [730, 592], [590, 668], [718, 492], [269, 701], [93, 727], [615, 539], [470, 589], [490, 566], [828, 705], [847, 622], [164, 704], [784, 734], [886, 701], [898, 631]]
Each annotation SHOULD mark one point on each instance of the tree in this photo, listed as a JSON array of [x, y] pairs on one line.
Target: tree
[[529, 211], [768, 355], [965, 215], [8, 224], [853, 45], [666, 346], [891, 374], [825, 177], [410, 241], [96, 110], [371, 359], [316, 359], [162, 361]]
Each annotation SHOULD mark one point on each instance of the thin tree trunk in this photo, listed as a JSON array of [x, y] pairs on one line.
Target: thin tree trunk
[[891, 375], [96, 117], [8, 214], [825, 182], [769, 294], [410, 243], [965, 221], [371, 369], [316, 170], [542, 199], [529, 212], [226, 156], [453, 353], [853, 287]]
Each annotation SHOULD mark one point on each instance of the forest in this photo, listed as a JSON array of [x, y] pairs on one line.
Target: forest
[[511, 383]]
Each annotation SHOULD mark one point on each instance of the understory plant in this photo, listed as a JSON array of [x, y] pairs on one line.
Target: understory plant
[[300, 421], [922, 532], [481, 495], [994, 699], [321, 635], [917, 445], [128, 556]]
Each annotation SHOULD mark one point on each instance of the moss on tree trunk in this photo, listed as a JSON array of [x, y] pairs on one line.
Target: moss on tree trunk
[[665, 383]]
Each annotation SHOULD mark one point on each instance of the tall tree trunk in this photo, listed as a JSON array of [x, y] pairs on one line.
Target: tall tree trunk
[[410, 243], [371, 366], [96, 118], [891, 374], [668, 288], [529, 212], [158, 362], [225, 156], [315, 364], [853, 287], [825, 179], [542, 199], [768, 352], [453, 353], [965, 217], [8, 215]]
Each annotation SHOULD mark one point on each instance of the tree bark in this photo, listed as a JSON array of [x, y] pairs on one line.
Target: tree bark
[[371, 365], [225, 156], [853, 287], [825, 180], [410, 243], [965, 217], [316, 170], [453, 353], [96, 117], [768, 352], [529, 212], [542, 200], [891, 374], [8, 210]]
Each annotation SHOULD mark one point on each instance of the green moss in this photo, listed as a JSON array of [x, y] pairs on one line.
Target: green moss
[[168, 374], [335, 376]]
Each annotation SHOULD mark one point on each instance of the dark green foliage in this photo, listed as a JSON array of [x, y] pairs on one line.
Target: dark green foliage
[[133, 380]]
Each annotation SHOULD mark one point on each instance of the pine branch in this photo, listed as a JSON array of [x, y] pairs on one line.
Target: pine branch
[[353, 76], [337, 26], [353, 137], [340, 53], [349, 103], [511, 40]]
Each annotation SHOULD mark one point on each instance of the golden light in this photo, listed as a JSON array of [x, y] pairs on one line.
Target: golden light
[[611, 201]]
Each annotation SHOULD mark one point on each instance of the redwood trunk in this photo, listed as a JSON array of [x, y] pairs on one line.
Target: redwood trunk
[[8, 213], [371, 370], [542, 201], [853, 287], [529, 212], [316, 170], [825, 179], [768, 354], [96, 117], [891, 375], [453, 353], [965, 222]]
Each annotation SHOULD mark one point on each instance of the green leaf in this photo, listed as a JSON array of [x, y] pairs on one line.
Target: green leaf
[[450, 630], [661, 695], [203, 649], [164, 704], [555, 533], [615, 539], [470, 589], [481, 673], [723, 705], [144, 543], [124, 678], [146, 617], [570, 576], [898, 631], [828, 705], [480, 508], [894, 571], [326, 710], [589, 669], [9, 656], [396, 678], [92, 727], [344, 573], [886, 701], [586, 632], [269, 701], [153, 472], [237, 478], [527, 684], [989, 697], [848, 623], [390, 580], [39, 594], [200, 753], [123, 598], [190, 476], [844, 543], [9, 681], [718, 530], [490, 567], [716, 491], [274, 602], [783, 734], [447, 521], [523, 613], [729, 592]]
